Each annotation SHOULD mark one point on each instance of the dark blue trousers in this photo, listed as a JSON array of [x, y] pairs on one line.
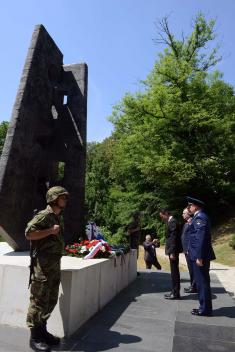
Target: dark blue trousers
[[202, 278], [190, 270]]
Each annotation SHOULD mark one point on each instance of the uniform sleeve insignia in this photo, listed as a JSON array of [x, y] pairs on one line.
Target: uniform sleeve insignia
[[200, 222]]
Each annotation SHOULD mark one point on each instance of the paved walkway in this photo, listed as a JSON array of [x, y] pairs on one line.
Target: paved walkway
[[225, 274], [140, 319]]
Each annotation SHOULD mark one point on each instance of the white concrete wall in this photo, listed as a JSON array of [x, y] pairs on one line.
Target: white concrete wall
[[86, 287]]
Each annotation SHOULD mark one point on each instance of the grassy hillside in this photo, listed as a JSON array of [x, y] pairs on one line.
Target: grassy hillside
[[222, 235], [224, 253]]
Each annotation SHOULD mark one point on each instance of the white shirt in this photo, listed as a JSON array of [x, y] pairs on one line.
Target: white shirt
[[170, 217]]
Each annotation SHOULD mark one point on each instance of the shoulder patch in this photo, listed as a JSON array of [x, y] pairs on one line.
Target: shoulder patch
[[200, 222]]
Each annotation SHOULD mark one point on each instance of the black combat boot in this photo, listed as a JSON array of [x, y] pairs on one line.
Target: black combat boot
[[37, 341], [50, 339]]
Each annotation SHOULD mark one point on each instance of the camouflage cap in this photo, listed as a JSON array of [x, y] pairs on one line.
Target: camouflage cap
[[54, 192]]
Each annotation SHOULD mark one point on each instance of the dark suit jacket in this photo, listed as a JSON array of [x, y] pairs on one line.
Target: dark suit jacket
[[173, 237], [149, 251], [200, 246]]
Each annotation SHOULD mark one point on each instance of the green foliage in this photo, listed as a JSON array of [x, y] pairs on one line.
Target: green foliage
[[3, 133], [61, 166], [232, 242], [118, 238], [172, 139]]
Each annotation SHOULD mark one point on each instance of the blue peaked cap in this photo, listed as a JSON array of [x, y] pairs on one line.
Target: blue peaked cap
[[195, 201]]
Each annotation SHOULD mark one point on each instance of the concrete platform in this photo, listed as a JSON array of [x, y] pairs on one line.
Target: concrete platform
[[86, 287], [139, 319]]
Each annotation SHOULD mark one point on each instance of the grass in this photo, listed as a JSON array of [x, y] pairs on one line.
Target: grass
[[141, 263], [224, 253], [222, 235], [164, 261]]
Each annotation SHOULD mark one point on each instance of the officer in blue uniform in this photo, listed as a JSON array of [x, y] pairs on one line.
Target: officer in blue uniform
[[200, 253], [185, 243]]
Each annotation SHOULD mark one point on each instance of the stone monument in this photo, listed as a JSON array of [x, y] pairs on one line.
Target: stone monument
[[47, 133]]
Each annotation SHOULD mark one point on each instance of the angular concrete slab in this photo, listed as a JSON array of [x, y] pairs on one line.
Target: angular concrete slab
[[85, 288]]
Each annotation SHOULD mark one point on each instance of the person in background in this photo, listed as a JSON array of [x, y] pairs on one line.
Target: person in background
[[173, 247], [150, 256], [134, 231], [185, 244], [200, 253]]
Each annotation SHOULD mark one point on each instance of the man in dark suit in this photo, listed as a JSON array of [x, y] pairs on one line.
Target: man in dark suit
[[150, 256], [172, 248], [185, 243], [201, 253]]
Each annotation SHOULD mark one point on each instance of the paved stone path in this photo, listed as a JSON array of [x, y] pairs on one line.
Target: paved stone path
[[140, 319]]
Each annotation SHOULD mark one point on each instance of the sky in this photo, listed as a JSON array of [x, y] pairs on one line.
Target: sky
[[114, 37]]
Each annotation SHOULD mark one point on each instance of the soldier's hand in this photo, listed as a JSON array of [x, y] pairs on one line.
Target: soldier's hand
[[199, 262], [156, 241], [172, 256], [55, 229]]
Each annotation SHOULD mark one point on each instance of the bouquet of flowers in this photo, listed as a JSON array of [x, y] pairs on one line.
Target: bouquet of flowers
[[95, 249], [89, 249]]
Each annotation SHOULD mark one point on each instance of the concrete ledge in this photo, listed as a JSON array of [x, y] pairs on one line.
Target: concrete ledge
[[86, 287]]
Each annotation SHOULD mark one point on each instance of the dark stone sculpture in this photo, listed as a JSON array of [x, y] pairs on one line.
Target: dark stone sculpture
[[47, 130]]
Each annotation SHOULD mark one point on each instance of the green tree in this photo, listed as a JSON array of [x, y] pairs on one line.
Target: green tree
[[3, 133], [98, 179], [177, 136], [174, 138]]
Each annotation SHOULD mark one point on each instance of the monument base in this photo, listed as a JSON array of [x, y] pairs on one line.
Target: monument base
[[86, 287]]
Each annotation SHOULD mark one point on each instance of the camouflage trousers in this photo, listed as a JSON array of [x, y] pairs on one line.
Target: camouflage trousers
[[44, 290]]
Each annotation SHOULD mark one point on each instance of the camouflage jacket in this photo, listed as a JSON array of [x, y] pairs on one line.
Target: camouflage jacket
[[51, 245], [134, 226]]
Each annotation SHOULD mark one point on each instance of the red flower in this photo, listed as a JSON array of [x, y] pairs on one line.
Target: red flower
[[73, 251], [92, 243]]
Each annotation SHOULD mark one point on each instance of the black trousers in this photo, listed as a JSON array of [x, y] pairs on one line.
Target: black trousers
[[175, 275], [154, 262]]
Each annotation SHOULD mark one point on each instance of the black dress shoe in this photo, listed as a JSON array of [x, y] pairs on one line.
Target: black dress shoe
[[194, 310], [200, 314], [171, 295], [190, 290]]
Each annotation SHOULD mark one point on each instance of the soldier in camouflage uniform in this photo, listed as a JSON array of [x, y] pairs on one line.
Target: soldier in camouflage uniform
[[45, 233], [134, 231]]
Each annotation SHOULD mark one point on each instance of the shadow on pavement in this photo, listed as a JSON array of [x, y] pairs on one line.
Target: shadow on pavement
[[96, 335], [224, 312]]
